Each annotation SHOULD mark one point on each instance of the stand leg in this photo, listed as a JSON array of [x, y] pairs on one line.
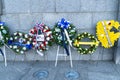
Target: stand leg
[[65, 53], [57, 56], [70, 57], [5, 57]]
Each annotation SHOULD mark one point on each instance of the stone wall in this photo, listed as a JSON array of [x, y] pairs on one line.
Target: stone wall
[[21, 15], [117, 49]]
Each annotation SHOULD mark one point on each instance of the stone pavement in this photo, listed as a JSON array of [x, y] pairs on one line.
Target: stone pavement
[[88, 70]]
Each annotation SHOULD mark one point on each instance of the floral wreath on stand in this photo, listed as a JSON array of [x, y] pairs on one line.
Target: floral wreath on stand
[[41, 37], [64, 33], [93, 45], [20, 42], [105, 33], [4, 34]]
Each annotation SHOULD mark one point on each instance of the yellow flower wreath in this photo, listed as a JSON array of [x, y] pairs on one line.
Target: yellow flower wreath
[[104, 33]]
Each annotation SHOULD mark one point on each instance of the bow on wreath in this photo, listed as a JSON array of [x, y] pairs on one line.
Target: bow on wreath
[[63, 24]]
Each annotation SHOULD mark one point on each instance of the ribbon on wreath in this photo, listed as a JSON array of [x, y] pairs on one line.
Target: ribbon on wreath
[[1, 52], [39, 32], [63, 24], [28, 46]]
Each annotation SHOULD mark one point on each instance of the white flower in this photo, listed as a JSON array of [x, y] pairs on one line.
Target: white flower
[[4, 31], [6, 38], [28, 42], [16, 37], [30, 39], [14, 47], [46, 27], [48, 33], [26, 36], [21, 52], [17, 50], [46, 42], [46, 48], [34, 43], [42, 45], [24, 48], [57, 29], [47, 38], [15, 33], [24, 39], [20, 34], [10, 46], [1, 27], [11, 38]]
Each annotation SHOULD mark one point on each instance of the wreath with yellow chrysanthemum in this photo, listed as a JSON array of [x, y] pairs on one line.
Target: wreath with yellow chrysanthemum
[[78, 44], [107, 32]]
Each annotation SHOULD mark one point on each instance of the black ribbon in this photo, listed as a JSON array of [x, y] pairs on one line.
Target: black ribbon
[[2, 52], [63, 41]]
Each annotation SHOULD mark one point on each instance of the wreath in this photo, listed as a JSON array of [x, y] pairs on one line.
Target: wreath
[[20, 42], [78, 44], [57, 30], [107, 32], [41, 37], [64, 33], [4, 34]]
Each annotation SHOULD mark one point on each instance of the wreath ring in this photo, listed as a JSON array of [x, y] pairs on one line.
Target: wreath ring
[[4, 34], [41, 37], [20, 42], [58, 37], [93, 45]]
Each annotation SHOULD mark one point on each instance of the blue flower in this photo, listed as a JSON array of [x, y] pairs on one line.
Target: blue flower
[[63, 23], [1, 23]]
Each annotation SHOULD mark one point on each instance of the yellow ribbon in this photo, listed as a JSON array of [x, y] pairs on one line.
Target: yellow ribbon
[[77, 43]]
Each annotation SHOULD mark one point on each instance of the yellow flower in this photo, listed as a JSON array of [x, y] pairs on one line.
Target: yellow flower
[[116, 25], [76, 43], [100, 32]]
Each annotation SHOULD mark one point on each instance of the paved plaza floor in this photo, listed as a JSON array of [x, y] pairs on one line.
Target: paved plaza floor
[[86, 70]]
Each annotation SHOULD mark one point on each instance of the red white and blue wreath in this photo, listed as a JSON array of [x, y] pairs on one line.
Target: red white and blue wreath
[[41, 37], [20, 42], [64, 33]]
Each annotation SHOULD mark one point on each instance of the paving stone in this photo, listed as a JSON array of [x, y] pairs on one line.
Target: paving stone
[[10, 55], [103, 16], [88, 70], [108, 54], [119, 16], [13, 71], [78, 19], [98, 6], [25, 21], [17, 6], [51, 53], [51, 18], [98, 54], [42, 5], [1, 7], [67, 6], [117, 55], [36, 18], [101, 76], [12, 22], [34, 69], [29, 55]]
